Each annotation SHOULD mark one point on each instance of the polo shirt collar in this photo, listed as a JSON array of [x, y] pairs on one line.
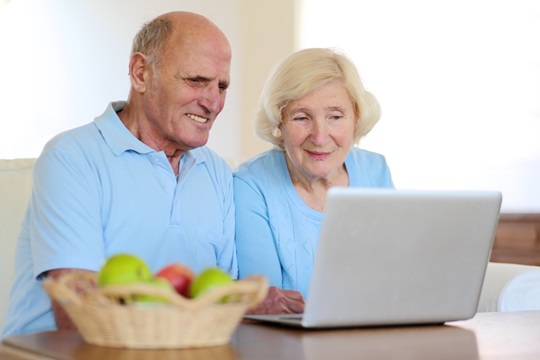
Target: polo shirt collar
[[119, 139], [116, 135]]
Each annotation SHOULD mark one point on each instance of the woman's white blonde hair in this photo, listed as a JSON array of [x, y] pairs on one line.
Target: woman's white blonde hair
[[301, 73]]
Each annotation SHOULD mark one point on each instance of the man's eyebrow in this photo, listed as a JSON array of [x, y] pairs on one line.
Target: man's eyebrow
[[197, 78], [224, 84]]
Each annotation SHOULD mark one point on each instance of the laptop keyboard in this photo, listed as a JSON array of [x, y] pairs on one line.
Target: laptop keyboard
[[292, 317]]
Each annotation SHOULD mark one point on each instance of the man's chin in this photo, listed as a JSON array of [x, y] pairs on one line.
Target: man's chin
[[196, 143]]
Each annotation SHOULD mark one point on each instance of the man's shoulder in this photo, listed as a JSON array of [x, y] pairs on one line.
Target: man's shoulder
[[212, 160], [84, 134], [72, 140]]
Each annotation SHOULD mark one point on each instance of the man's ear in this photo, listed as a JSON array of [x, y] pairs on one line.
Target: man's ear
[[138, 72]]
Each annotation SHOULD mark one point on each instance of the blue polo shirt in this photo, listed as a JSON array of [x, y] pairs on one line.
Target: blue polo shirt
[[277, 234], [97, 191]]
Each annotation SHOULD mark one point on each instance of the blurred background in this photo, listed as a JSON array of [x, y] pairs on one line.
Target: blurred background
[[458, 81]]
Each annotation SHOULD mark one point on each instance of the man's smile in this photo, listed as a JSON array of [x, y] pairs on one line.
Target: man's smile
[[197, 118]]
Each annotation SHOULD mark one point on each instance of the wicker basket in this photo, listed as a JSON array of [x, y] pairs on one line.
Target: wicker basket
[[180, 323]]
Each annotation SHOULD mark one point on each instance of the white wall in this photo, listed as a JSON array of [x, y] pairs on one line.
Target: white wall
[[459, 85], [63, 61], [459, 81]]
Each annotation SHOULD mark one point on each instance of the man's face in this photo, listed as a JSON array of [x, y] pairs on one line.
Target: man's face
[[186, 91]]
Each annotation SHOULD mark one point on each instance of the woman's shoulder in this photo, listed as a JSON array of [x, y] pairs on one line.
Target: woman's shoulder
[[265, 171], [260, 164], [368, 168], [362, 156]]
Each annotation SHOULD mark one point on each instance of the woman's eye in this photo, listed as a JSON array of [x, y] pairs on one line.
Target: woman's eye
[[301, 118], [335, 116]]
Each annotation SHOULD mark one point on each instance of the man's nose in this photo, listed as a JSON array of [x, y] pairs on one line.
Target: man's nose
[[211, 99]]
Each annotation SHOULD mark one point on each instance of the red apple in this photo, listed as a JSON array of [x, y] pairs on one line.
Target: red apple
[[179, 276]]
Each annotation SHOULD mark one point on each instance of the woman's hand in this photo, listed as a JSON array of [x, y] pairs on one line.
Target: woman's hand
[[279, 301]]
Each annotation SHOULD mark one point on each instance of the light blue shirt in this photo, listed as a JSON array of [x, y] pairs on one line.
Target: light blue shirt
[[98, 190], [276, 232]]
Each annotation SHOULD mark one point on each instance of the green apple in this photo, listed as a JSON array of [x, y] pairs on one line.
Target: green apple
[[124, 269], [207, 280]]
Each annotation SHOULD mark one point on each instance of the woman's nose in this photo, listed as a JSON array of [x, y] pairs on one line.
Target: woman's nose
[[319, 132]]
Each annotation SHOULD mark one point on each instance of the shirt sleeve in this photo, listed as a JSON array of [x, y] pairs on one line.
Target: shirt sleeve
[[373, 170], [386, 175], [65, 226], [255, 243]]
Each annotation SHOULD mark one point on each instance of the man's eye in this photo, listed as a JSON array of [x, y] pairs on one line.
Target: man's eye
[[195, 82]]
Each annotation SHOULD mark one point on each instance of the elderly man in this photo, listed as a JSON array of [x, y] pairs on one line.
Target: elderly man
[[137, 179]]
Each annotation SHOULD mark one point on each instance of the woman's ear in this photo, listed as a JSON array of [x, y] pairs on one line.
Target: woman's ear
[[138, 72], [277, 131]]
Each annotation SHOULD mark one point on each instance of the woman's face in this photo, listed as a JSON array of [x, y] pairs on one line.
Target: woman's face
[[318, 132]]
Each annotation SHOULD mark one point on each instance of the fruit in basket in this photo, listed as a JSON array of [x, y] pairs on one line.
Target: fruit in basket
[[147, 298], [124, 269], [179, 276], [207, 280]]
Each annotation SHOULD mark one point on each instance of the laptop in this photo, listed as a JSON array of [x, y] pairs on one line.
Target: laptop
[[398, 257]]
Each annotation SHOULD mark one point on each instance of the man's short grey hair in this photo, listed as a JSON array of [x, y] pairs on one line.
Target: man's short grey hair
[[151, 38]]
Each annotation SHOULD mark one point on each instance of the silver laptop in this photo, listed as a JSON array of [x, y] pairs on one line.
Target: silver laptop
[[398, 257]]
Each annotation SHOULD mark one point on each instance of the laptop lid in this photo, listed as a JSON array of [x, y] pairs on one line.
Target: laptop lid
[[400, 257]]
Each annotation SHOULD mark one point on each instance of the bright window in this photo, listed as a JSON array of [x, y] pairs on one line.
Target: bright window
[[458, 82]]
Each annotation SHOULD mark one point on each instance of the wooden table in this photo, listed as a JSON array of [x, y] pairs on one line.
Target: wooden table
[[487, 336]]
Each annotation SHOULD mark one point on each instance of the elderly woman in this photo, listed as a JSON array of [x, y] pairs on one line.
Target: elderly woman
[[313, 110]]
